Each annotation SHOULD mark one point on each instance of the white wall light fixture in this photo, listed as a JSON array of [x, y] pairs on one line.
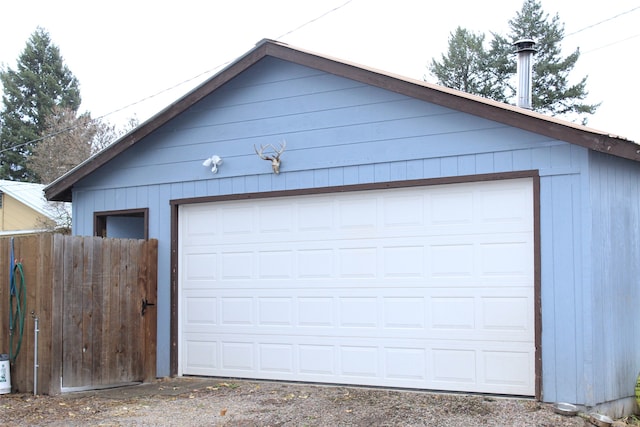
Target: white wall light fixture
[[213, 162]]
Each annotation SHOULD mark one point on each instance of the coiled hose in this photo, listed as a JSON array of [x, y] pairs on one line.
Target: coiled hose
[[17, 296]]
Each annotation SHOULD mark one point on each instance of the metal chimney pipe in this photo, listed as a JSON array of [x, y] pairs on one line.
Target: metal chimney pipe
[[525, 50]]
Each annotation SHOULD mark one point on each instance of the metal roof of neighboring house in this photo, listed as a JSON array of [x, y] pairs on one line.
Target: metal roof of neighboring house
[[31, 195], [497, 111]]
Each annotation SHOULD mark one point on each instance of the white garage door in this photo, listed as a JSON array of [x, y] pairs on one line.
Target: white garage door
[[427, 287]]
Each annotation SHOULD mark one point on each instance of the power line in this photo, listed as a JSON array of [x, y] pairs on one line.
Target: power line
[[602, 22], [611, 44], [162, 91], [315, 19], [169, 88], [218, 66], [95, 119]]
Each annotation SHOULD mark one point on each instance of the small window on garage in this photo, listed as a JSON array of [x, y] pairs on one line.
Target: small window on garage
[[124, 224]]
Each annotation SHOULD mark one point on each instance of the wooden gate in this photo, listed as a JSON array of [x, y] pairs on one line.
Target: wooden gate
[[88, 294], [107, 304]]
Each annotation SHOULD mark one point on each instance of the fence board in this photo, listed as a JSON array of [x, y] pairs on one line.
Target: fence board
[[72, 306], [149, 273], [122, 321], [112, 311], [45, 303], [97, 337], [87, 294], [88, 307], [134, 317], [56, 356]]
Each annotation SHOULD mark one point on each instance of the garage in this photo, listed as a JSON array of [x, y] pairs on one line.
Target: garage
[[414, 236], [426, 287]]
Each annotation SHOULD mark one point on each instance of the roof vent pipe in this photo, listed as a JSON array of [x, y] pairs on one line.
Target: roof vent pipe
[[525, 50]]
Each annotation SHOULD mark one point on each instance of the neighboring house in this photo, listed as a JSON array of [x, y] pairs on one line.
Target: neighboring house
[[24, 209], [416, 236]]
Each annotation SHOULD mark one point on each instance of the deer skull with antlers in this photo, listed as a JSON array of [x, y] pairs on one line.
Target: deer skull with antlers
[[275, 157]]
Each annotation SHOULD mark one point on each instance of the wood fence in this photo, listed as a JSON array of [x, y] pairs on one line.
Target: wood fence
[[88, 295]]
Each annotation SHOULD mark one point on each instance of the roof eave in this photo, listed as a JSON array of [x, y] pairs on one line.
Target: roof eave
[[61, 189]]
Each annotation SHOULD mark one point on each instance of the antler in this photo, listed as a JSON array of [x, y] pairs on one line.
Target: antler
[[274, 159], [283, 145], [262, 156]]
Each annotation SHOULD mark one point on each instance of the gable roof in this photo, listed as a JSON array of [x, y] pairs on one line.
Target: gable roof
[[31, 195], [61, 189], [27, 193]]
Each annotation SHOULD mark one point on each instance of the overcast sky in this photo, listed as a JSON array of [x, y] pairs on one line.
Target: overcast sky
[[135, 57]]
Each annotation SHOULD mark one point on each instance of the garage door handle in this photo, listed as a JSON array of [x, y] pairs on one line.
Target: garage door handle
[[145, 304]]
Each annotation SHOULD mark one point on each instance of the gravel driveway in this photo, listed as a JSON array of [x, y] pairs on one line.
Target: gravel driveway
[[216, 402]]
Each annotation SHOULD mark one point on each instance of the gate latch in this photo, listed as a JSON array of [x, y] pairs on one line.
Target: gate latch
[[145, 304]]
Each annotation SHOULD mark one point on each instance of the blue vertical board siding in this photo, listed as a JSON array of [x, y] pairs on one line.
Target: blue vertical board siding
[[522, 160], [340, 132], [382, 172], [321, 178], [566, 250], [560, 155], [615, 260], [428, 168], [397, 171], [163, 234], [336, 177], [83, 208], [449, 166], [484, 163], [350, 176], [467, 165], [252, 184], [503, 161], [237, 185], [366, 173], [548, 295], [559, 326]]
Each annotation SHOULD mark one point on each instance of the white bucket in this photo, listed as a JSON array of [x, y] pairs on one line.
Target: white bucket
[[5, 374]]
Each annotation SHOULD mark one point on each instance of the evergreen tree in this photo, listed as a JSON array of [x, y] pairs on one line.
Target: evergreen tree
[[552, 92], [466, 66], [40, 82]]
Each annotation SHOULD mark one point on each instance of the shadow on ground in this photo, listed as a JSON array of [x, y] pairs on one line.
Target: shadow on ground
[[160, 387]]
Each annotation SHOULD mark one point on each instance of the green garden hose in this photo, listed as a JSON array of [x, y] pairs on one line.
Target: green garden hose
[[18, 296]]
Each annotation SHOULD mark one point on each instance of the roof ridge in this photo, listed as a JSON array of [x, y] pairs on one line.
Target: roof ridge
[[489, 109]]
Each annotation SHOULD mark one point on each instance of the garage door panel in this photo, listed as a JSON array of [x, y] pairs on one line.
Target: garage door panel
[[237, 356], [275, 311], [397, 214], [315, 216], [426, 287], [201, 355], [275, 264], [455, 257], [507, 370], [442, 312], [236, 311], [201, 266], [315, 263], [357, 214], [197, 228], [235, 221], [200, 310], [276, 357], [274, 218], [360, 361], [404, 363], [323, 317]]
